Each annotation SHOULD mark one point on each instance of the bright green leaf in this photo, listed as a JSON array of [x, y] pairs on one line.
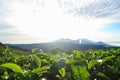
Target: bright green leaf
[[58, 76], [106, 59], [84, 73], [75, 72], [40, 70], [92, 63], [33, 50], [37, 60], [13, 67], [62, 72], [80, 73]]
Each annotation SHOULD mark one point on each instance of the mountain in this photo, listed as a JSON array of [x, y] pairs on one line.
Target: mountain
[[64, 44], [68, 41], [83, 42]]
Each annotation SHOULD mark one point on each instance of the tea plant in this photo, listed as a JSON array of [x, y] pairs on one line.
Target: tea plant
[[77, 65]]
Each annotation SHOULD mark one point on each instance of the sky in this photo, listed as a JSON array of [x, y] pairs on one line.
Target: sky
[[36, 21]]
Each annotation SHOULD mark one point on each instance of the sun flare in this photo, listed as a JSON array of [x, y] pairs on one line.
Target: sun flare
[[50, 22]]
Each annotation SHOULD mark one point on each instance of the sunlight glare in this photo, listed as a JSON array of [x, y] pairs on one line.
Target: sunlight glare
[[52, 23]]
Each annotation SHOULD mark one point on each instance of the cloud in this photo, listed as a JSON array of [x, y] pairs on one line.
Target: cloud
[[49, 20], [93, 9], [9, 34], [4, 8], [8, 30], [4, 26], [87, 9], [58, 18], [7, 6]]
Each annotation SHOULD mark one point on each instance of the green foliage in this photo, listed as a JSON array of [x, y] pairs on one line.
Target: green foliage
[[92, 63], [62, 72], [40, 70], [107, 59], [37, 60], [58, 65], [80, 73], [13, 67], [103, 76], [33, 50]]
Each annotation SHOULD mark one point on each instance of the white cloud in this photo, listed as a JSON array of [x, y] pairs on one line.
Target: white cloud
[[93, 9], [87, 9], [53, 19]]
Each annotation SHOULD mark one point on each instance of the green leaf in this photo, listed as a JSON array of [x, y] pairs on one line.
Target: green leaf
[[106, 59], [75, 72], [13, 67], [58, 76], [37, 60], [92, 63], [80, 73], [84, 73], [40, 70], [33, 50], [103, 76], [62, 72]]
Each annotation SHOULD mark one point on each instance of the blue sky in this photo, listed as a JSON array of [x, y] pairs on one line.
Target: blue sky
[[112, 28], [29, 21]]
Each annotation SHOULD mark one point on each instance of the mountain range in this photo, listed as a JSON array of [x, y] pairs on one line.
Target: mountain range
[[83, 42], [64, 44]]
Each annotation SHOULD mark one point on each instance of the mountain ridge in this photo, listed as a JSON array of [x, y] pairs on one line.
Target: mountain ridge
[[83, 41], [65, 44]]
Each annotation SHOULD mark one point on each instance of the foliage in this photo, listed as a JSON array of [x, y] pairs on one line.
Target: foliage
[[13, 67], [103, 76], [58, 65], [80, 73]]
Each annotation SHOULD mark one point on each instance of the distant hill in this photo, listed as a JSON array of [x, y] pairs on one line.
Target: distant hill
[[64, 44], [13, 49], [2, 47]]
